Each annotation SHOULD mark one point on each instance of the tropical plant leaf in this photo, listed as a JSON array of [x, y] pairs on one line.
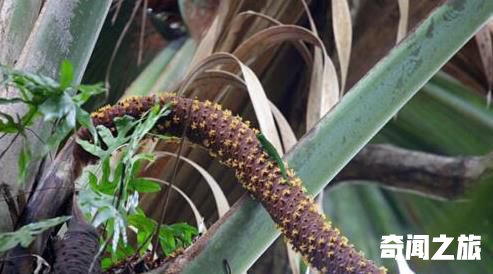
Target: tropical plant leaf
[[26, 234]]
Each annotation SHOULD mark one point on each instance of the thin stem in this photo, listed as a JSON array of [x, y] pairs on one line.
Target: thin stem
[[173, 178], [119, 42], [9, 145]]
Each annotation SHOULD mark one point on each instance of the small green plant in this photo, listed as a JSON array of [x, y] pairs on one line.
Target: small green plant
[[113, 197], [56, 102]]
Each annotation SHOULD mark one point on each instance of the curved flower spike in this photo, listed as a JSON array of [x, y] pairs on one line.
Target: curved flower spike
[[235, 143]]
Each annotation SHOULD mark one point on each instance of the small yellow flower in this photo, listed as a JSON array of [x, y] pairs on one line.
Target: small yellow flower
[[227, 113], [218, 106], [311, 238], [285, 221], [311, 248], [294, 232], [195, 105], [289, 172]]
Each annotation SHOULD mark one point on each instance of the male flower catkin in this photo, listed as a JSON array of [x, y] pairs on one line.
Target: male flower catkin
[[235, 143]]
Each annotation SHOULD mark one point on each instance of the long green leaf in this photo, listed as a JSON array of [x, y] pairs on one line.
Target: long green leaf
[[444, 118], [64, 30], [447, 118], [339, 136], [149, 77], [17, 18], [26, 234]]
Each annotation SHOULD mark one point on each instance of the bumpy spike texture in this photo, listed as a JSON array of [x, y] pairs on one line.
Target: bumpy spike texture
[[76, 251], [235, 143]]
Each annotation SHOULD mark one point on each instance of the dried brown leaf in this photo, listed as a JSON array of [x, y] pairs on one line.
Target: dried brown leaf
[[219, 197], [324, 83], [285, 131], [485, 47], [240, 20], [256, 92], [206, 47], [343, 32], [403, 19]]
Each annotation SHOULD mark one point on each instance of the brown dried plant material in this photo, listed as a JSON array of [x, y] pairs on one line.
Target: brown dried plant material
[[235, 143], [485, 47]]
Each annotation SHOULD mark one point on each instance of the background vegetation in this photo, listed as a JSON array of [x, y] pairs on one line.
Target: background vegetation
[[136, 52]]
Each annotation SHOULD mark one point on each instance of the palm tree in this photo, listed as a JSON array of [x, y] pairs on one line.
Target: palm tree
[[285, 90]]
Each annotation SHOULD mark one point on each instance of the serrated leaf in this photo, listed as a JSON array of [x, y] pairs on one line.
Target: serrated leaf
[[108, 138], [87, 91], [62, 129], [106, 263], [105, 214], [106, 170], [91, 148], [26, 234], [93, 180], [167, 240], [109, 180], [84, 119], [8, 124], [57, 107], [144, 185], [184, 231], [124, 124]]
